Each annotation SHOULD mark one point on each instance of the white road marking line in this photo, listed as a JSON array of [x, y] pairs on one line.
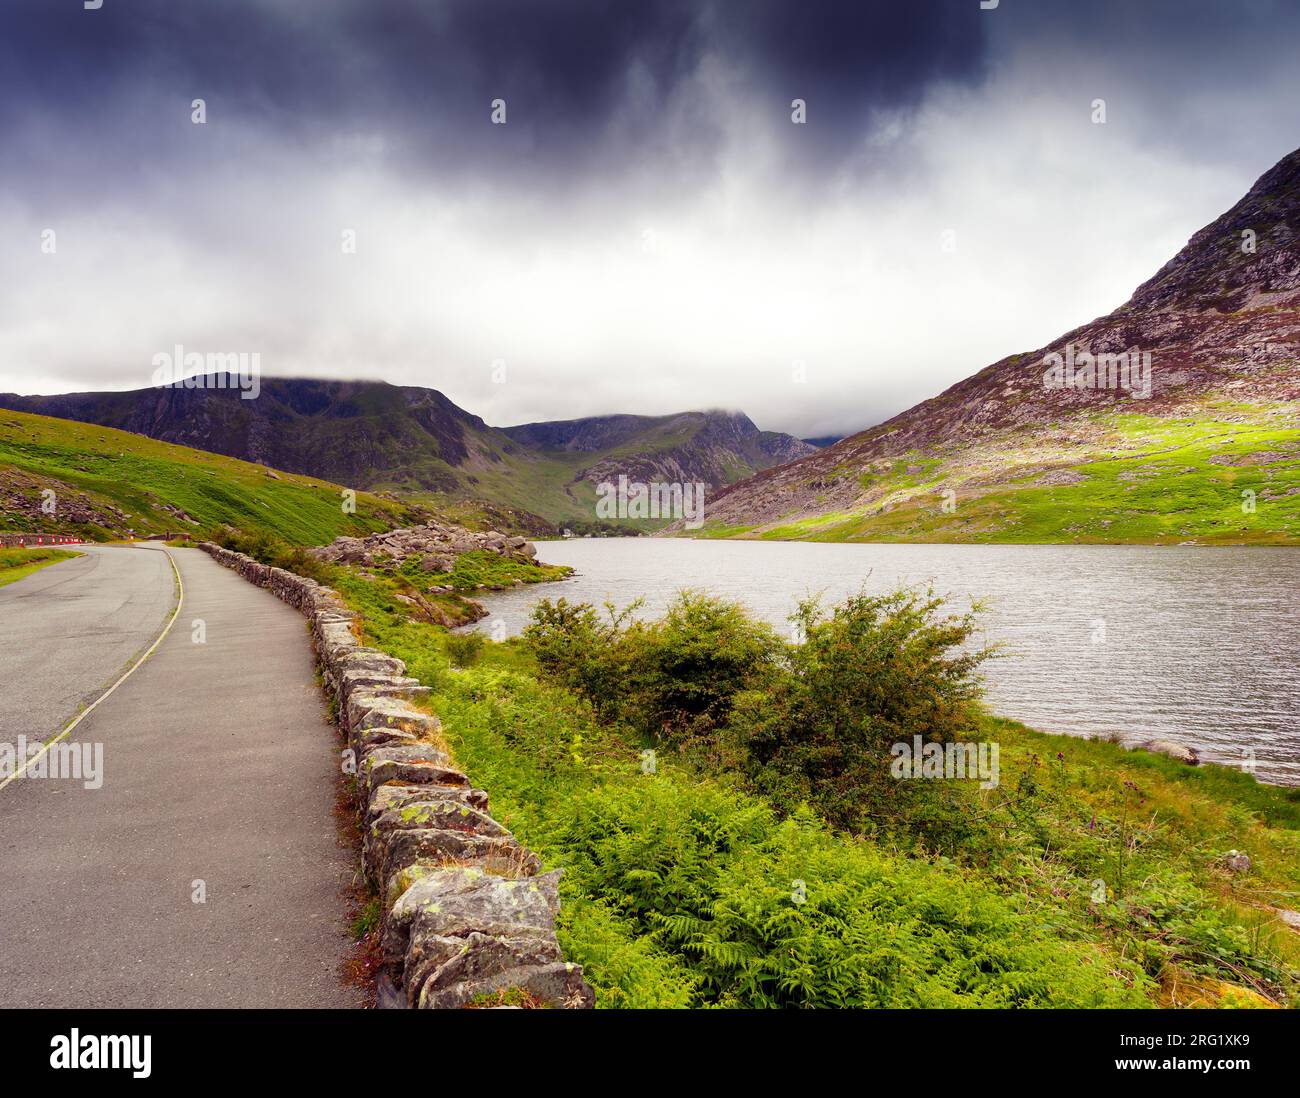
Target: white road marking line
[[21, 772]]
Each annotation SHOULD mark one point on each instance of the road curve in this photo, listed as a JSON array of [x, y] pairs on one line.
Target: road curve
[[219, 767], [68, 631]]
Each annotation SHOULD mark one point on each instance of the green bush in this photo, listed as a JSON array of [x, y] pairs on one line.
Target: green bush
[[801, 723], [465, 649], [672, 679], [696, 660], [875, 671], [574, 647], [268, 548]]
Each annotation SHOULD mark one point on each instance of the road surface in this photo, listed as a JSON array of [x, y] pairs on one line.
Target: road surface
[[68, 631], [218, 784]]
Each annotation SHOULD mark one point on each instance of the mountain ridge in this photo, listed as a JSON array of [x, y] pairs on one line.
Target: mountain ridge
[[1218, 326], [417, 441]]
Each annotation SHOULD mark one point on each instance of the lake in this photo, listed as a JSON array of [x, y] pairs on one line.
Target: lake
[[1191, 644]]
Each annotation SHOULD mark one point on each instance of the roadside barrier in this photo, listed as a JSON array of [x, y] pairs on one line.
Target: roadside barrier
[[468, 918], [30, 541]]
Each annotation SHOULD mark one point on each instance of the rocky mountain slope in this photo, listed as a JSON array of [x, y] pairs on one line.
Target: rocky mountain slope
[[1034, 448], [365, 434], [715, 447], [415, 441]]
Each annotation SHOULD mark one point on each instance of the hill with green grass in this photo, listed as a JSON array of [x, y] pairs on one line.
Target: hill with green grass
[[1208, 454], [58, 476], [416, 442]]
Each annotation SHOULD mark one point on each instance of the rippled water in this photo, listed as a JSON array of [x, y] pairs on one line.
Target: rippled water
[[1200, 645]]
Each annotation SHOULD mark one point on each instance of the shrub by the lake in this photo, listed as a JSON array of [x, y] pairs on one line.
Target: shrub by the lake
[[465, 649], [808, 722], [666, 679], [875, 671]]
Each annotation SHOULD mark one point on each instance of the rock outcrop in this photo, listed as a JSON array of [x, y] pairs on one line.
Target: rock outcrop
[[436, 545], [468, 917]]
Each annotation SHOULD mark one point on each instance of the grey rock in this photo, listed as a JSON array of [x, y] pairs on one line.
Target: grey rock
[[1174, 750]]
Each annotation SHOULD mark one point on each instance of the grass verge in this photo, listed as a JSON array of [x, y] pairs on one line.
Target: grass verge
[[16, 564]]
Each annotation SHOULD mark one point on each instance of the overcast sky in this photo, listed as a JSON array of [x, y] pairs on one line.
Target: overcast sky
[[649, 231]]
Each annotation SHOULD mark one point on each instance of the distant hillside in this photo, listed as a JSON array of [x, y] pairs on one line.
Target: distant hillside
[[717, 447], [363, 434], [1211, 455], [415, 441], [108, 484]]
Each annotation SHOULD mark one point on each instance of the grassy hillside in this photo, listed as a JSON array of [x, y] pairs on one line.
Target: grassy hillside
[[1109, 477], [1154, 423], [108, 482], [492, 470], [416, 442]]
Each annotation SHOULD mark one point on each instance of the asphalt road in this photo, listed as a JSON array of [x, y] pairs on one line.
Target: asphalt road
[[219, 766], [68, 631]]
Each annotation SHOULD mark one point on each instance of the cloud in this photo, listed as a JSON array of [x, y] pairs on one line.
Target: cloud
[[649, 231], [590, 85]]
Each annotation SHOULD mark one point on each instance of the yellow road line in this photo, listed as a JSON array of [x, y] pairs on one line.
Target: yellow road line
[[67, 730]]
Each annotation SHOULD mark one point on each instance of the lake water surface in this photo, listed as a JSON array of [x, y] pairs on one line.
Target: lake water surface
[[1192, 644]]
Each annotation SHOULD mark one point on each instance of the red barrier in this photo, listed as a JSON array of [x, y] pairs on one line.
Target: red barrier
[[30, 541]]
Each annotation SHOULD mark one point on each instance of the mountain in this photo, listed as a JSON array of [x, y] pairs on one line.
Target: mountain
[[413, 440], [1037, 447], [58, 476], [715, 447], [364, 434]]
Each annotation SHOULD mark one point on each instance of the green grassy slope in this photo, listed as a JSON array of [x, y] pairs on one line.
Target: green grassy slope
[[1117, 478], [559, 484], [108, 482]]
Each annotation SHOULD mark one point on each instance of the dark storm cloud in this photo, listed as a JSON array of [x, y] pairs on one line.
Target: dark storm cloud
[[590, 86], [649, 232]]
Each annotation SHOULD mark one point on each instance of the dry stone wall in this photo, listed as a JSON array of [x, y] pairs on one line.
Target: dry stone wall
[[468, 916]]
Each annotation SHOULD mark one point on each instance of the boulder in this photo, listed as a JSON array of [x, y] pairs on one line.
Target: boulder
[[1181, 752], [462, 937], [431, 845], [558, 984]]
